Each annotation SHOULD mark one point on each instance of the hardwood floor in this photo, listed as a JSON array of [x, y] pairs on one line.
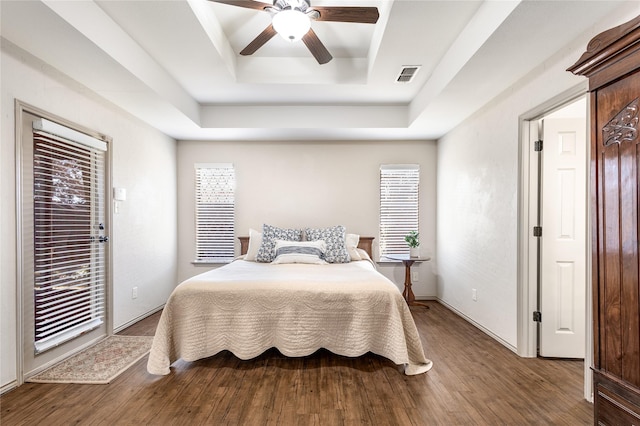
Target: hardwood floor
[[474, 381]]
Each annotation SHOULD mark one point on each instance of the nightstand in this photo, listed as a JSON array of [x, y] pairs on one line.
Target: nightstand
[[408, 261]]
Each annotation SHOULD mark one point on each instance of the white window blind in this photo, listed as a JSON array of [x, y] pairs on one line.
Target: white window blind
[[69, 257], [399, 189], [215, 212]]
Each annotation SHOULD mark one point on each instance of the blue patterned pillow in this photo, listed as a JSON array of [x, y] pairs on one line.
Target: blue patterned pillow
[[270, 234], [335, 239]]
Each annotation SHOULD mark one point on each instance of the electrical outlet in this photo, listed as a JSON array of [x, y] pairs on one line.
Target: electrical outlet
[[414, 276], [134, 293], [474, 295]]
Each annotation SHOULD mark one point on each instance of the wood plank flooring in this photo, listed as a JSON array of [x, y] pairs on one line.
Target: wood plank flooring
[[474, 381]]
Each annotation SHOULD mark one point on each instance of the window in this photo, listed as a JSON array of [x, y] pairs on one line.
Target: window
[[399, 185], [215, 213], [68, 234]]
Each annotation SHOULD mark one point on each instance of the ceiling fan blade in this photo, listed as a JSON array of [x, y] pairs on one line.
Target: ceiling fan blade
[[363, 15], [316, 47], [259, 41], [249, 4]]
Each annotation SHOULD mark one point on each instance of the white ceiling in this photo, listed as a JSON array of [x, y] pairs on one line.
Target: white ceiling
[[175, 64]]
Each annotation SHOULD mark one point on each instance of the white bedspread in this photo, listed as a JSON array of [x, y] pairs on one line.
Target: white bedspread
[[248, 307]]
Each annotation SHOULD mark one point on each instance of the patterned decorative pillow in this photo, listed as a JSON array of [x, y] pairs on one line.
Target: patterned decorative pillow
[[335, 239], [270, 234], [300, 252]]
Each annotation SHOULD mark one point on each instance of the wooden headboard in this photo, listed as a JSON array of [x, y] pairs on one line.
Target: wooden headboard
[[365, 243]]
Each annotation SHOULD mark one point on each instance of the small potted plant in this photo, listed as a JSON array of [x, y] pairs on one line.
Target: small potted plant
[[413, 242]]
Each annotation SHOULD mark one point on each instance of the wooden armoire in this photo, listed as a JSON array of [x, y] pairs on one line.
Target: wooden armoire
[[612, 64]]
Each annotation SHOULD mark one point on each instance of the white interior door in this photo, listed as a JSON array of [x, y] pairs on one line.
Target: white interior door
[[563, 257]]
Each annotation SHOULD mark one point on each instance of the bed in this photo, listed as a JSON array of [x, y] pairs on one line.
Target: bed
[[248, 307]]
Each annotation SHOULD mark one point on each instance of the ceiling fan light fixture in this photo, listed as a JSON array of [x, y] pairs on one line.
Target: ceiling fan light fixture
[[291, 24]]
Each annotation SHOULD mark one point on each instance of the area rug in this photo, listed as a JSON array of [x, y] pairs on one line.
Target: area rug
[[98, 364]]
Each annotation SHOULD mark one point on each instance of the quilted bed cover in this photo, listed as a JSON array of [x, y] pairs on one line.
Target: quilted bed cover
[[248, 307]]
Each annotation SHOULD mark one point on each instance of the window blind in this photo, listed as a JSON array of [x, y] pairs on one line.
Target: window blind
[[69, 257], [215, 212], [399, 189]]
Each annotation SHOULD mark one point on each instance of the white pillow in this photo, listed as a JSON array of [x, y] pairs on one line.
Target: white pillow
[[363, 254], [255, 240], [300, 252], [351, 241]]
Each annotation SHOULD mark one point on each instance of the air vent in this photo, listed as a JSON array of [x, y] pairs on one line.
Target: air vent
[[407, 73]]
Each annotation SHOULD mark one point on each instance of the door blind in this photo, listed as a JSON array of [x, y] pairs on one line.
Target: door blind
[[69, 258], [399, 186], [215, 212]]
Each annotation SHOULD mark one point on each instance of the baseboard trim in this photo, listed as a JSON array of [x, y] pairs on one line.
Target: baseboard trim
[[8, 387], [433, 298], [138, 318], [479, 326]]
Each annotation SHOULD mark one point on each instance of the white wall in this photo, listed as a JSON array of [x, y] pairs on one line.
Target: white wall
[[478, 195], [309, 184], [144, 234]]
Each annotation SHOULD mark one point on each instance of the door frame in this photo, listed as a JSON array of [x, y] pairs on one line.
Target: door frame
[[20, 109], [527, 332]]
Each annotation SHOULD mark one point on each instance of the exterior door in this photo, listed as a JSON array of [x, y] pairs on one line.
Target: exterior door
[[563, 242], [64, 236]]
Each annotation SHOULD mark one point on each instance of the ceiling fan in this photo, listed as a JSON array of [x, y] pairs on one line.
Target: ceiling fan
[[292, 20]]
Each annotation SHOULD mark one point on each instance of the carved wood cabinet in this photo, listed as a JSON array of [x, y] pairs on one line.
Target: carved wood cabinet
[[612, 64]]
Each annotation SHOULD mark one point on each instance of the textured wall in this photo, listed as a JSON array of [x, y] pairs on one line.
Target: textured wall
[[477, 241], [144, 236], [312, 184]]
